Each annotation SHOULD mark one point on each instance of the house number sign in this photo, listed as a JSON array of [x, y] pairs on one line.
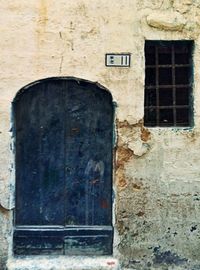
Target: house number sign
[[118, 60]]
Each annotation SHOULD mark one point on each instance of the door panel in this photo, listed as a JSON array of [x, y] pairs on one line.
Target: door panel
[[40, 182], [88, 156]]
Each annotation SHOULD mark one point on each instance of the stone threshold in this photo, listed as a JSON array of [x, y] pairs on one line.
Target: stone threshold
[[62, 263]]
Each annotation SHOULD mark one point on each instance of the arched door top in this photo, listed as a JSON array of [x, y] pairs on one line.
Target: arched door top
[[79, 81]]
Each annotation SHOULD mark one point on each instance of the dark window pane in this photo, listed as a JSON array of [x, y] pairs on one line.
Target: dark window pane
[[150, 78], [150, 55], [164, 55], [150, 97], [150, 59], [165, 97], [164, 48], [166, 117], [181, 58], [165, 76], [182, 117], [179, 47], [164, 59], [149, 48], [182, 96], [150, 117], [182, 75]]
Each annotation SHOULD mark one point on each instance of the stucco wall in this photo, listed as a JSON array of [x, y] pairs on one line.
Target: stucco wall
[[157, 181]]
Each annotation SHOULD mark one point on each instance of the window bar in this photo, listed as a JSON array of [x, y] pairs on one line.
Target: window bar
[[169, 107], [168, 65], [157, 87], [168, 86], [173, 84]]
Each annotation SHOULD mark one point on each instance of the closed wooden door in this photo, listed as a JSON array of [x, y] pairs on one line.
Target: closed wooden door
[[63, 130]]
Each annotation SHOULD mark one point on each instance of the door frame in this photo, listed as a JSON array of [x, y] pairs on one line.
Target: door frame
[[109, 234]]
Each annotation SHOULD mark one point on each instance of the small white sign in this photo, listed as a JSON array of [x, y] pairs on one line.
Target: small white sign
[[118, 60]]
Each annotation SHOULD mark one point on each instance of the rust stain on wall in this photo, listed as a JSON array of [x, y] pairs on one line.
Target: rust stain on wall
[[126, 124], [123, 155], [137, 186], [129, 133], [121, 227], [4, 210], [145, 134], [121, 181]]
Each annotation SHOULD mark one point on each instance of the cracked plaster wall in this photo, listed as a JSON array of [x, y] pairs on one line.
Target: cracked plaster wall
[[157, 180]]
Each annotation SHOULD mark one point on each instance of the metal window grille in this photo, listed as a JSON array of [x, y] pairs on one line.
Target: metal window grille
[[168, 83]]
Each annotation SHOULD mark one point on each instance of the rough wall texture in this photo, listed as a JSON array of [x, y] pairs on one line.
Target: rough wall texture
[[157, 180]]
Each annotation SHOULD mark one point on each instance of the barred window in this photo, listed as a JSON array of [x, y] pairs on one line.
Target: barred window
[[168, 83]]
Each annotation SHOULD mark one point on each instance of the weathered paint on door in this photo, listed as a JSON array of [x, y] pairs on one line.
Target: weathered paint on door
[[64, 131]]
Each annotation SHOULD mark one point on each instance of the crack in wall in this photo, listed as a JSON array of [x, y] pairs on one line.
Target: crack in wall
[[61, 64]]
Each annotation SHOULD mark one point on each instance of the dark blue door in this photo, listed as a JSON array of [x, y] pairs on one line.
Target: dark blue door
[[64, 131]]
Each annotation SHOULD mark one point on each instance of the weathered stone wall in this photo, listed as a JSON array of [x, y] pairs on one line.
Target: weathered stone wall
[[157, 180]]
